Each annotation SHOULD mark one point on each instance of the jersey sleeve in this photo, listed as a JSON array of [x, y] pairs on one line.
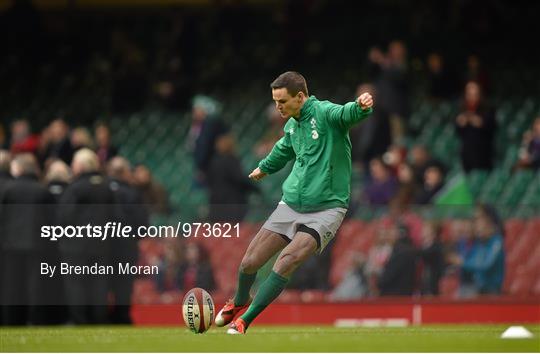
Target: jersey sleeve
[[281, 153], [347, 115]]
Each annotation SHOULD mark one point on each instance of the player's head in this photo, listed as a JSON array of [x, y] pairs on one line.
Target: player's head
[[289, 91]]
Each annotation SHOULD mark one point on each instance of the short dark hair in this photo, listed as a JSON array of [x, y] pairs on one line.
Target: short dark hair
[[291, 80]]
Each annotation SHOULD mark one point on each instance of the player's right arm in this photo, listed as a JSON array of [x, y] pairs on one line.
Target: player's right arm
[[281, 153]]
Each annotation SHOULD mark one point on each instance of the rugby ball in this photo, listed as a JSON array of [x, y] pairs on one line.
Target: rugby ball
[[198, 310]]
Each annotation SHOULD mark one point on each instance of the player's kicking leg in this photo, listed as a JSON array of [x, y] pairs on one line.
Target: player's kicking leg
[[302, 246], [263, 246]]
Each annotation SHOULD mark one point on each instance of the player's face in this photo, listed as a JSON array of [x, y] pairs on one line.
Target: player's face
[[287, 105]]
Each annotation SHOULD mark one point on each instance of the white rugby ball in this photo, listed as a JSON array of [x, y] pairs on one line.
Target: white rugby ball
[[198, 310]]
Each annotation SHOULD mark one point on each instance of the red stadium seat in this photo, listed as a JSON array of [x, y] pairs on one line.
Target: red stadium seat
[[523, 282], [525, 243], [513, 228]]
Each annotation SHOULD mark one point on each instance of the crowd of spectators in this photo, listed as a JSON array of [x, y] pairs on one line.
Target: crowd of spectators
[[63, 176], [397, 264]]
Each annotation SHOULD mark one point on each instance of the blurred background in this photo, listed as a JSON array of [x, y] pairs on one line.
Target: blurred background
[[161, 109]]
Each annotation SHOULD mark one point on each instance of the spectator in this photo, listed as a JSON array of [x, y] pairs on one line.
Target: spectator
[[354, 284], [371, 138], [57, 178], [104, 148], [130, 85], [399, 273], [22, 139], [131, 212], [432, 255], [440, 83], [196, 270], [206, 128], [462, 236], [375, 62], [169, 265], [154, 194], [58, 143], [529, 153], [433, 183], [420, 160], [172, 87], [5, 176], [228, 185], [87, 200], [26, 206], [314, 272], [394, 157], [475, 126], [3, 139], [408, 188], [485, 261], [383, 186], [393, 85], [81, 138], [378, 256], [272, 134], [475, 72]]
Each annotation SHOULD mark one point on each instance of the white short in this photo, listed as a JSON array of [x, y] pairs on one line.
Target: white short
[[287, 222]]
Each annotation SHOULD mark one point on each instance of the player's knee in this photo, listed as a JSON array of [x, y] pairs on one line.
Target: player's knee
[[287, 263], [249, 265]]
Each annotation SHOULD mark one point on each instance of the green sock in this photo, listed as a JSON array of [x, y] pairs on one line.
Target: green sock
[[245, 281], [268, 292]]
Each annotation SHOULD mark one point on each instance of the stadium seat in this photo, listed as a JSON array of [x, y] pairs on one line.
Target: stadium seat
[[476, 180], [515, 187], [494, 186], [513, 229]]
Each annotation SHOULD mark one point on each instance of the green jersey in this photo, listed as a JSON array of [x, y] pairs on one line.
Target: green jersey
[[319, 143]]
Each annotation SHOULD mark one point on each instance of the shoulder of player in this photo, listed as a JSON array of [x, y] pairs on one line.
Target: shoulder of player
[[289, 124]]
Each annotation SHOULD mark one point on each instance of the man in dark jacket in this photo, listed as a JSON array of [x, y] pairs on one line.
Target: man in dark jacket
[[476, 127], [228, 185], [5, 176], [26, 206], [399, 272], [432, 256], [131, 211], [57, 177], [88, 200], [206, 127]]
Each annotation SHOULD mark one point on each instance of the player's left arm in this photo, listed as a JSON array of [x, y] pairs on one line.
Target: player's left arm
[[345, 116]]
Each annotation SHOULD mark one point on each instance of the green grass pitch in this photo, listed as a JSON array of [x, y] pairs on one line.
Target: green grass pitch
[[443, 338]]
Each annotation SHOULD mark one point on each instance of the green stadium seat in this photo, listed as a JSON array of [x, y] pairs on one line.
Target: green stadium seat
[[494, 186], [476, 180], [515, 188]]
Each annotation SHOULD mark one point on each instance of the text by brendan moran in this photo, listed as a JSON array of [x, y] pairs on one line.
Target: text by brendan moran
[[125, 268]]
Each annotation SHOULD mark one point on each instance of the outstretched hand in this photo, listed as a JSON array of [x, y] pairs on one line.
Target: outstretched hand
[[365, 100], [257, 174]]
